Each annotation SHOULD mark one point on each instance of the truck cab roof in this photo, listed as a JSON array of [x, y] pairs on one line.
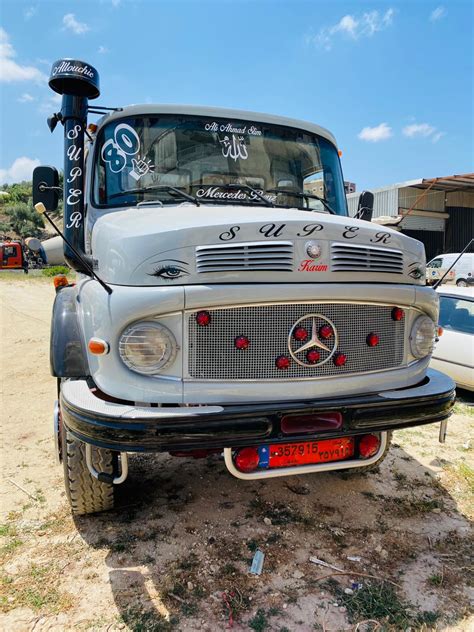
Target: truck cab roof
[[210, 111]]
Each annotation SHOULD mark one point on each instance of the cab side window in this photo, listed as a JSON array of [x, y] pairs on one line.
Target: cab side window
[[436, 263]]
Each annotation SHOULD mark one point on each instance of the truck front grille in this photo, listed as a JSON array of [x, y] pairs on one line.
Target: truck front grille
[[213, 355], [353, 258], [251, 257]]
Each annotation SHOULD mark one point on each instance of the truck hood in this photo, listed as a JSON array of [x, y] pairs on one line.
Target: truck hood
[[185, 244]]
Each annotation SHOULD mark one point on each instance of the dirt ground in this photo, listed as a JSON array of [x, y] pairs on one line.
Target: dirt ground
[[176, 554]]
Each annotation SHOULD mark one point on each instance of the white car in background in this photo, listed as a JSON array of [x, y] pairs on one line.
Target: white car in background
[[462, 274], [454, 351]]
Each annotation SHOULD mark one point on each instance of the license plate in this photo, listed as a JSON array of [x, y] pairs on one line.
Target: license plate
[[288, 454]]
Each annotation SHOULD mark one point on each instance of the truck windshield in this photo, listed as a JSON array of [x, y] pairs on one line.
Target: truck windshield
[[215, 161]]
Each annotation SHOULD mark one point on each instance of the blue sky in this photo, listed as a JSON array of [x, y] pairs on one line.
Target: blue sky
[[393, 81]]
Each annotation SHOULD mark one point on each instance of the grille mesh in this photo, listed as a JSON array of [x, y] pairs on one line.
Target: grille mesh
[[212, 354], [353, 258], [276, 255]]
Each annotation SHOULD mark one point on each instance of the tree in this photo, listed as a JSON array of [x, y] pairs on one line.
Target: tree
[[17, 213], [24, 220]]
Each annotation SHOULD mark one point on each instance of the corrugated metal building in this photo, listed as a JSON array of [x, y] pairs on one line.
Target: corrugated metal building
[[437, 211]]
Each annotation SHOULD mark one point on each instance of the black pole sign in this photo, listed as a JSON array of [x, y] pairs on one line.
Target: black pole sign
[[77, 82], [70, 76]]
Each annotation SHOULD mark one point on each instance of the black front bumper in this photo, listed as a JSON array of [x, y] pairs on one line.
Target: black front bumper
[[138, 429]]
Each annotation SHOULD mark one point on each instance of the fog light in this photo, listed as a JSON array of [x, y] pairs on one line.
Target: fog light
[[300, 334], [369, 446], [282, 362], [246, 459], [422, 336], [397, 313], [325, 332], [372, 340], [340, 359], [241, 342], [203, 318], [312, 356]]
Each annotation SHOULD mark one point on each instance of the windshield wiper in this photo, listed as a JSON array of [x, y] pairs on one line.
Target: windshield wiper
[[247, 187], [304, 195], [158, 187]]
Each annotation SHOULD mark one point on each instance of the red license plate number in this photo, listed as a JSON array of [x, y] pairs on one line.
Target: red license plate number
[[288, 454]]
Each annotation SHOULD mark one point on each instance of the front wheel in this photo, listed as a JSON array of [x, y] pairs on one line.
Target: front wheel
[[461, 283], [85, 493]]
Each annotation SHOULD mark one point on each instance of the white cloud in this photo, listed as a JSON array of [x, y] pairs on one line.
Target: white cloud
[[355, 27], [103, 50], [70, 22], [21, 169], [26, 98], [10, 71], [418, 129], [29, 12], [437, 14], [425, 130], [376, 134]]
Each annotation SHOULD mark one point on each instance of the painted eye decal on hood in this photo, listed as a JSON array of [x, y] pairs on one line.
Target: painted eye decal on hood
[[416, 270], [170, 269]]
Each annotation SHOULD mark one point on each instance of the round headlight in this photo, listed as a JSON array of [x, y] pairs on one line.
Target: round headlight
[[422, 336], [147, 347]]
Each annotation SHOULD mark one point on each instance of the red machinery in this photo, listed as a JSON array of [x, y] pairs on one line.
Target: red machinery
[[12, 256]]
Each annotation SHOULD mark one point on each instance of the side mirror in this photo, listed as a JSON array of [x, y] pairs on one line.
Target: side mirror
[[46, 187], [366, 206]]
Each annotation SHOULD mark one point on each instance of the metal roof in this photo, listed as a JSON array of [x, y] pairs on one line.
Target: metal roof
[[463, 182], [214, 112]]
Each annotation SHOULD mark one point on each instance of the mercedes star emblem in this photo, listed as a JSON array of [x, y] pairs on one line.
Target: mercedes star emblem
[[321, 337]]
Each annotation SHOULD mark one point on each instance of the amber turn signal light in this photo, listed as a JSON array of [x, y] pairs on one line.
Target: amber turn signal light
[[98, 346], [60, 280]]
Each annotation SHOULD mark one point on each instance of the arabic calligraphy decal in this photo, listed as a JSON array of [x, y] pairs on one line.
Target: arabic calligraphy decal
[[234, 147], [233, 144]]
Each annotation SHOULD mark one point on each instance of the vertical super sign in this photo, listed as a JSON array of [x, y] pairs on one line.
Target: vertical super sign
[[74, 175]]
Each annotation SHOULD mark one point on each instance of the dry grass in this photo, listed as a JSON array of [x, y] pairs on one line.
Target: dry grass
[[36, 587]]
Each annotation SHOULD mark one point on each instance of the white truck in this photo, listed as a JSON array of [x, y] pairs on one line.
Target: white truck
[[222, 305]]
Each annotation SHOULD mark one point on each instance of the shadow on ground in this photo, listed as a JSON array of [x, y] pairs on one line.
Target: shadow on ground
[[181, 542]]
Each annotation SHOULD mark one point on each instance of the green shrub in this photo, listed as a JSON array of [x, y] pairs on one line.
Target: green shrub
[[54, 270]]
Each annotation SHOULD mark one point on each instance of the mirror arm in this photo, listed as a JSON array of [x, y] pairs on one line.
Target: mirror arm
[[42, 186]]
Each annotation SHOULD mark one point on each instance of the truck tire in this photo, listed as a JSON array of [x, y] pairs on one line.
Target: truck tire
[[461, 283], [365, 469], [85, 493]]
